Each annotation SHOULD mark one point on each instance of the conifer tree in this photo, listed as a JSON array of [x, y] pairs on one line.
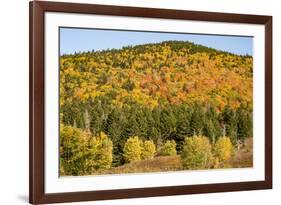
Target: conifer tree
[[197, 120]]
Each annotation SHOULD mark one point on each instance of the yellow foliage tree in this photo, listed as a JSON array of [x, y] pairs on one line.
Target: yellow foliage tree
[[169, 148], [73, 145], [100, 152], [197, 153], [148, 149], [132, 149], [223, 149], [82, 153]]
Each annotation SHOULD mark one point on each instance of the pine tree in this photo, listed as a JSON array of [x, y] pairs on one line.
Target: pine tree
[[244, 123], [211, 124], [229, 120], [183, 114], [197, 120], [168, 122]]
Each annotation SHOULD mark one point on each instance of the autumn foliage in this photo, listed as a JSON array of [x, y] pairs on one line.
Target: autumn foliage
[[197, 153], [169, 148], [148, 149], [120, 106], [223, 149], [133, 149], [81, 153]]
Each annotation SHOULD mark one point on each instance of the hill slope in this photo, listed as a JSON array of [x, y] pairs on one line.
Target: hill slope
[[168, 90], [170, 72]]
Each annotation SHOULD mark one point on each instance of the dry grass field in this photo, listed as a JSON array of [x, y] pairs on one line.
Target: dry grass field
[[241, 158]]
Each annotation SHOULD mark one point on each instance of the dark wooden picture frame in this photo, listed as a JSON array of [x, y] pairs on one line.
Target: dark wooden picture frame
[[37, 10]]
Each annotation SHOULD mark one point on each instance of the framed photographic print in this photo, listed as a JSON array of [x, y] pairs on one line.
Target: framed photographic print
[[139, 102]]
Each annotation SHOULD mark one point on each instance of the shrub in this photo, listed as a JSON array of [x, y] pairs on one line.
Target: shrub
[[223, 149], [197, 153], [169, 148], [132, 149], [100, 152], [148, 150]]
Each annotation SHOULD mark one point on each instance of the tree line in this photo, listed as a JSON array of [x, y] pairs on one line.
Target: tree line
[[167, 122]]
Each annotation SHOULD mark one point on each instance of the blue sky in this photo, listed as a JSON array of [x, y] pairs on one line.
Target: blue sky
[[76, 40]]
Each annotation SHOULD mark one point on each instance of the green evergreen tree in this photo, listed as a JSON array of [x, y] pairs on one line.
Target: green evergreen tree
[[244, 123], [183, 115], [229, 120], [211, 125], [197, 120], [168, 122]]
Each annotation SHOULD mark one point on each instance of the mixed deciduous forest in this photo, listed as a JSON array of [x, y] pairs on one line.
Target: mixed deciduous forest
[[167, 106]]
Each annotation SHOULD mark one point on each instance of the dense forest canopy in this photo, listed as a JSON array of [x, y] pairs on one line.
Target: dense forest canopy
[[158, 92]]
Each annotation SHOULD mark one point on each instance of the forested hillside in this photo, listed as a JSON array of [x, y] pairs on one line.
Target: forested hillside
[[154, 93]]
